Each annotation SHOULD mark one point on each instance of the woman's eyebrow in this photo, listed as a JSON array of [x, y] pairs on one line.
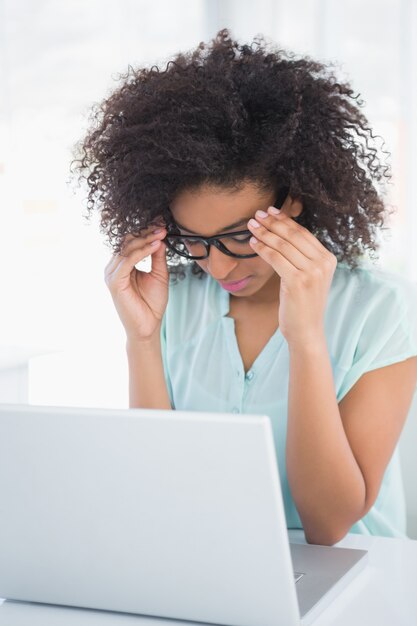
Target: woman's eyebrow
[[239, 223]]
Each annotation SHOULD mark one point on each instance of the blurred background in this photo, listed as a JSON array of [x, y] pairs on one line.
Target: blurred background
[[61, 341]]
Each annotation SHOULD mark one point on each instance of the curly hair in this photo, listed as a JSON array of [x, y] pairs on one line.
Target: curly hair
[[224, 114]]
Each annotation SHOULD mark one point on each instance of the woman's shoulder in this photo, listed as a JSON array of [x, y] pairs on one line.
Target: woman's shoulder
[[372, 321], [368, 286], [371, 305], [371, 302]]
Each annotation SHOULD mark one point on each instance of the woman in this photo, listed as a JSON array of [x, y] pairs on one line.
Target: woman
[[252, 172]]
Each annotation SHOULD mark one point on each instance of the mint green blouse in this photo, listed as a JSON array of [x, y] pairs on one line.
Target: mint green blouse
[[370, 322]]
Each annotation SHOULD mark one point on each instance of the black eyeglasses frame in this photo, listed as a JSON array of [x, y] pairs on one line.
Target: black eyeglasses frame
[[208, 241]]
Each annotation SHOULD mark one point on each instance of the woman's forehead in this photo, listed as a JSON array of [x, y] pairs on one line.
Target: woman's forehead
[[215, 210]]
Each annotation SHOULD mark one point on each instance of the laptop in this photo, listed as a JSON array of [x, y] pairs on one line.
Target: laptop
[[172, 514]]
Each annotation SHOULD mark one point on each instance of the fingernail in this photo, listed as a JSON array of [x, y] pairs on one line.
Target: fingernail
[[261, 214], [273, 210], [158, 230], [253, 223]]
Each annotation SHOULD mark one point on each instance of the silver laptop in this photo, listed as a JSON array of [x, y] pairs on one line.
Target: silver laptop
[[175, 514]]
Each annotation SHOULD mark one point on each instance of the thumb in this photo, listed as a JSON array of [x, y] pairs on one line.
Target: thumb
[[159, 262]]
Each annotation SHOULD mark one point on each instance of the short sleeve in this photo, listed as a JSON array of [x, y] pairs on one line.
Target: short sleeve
[[388, 333], [165, 359]]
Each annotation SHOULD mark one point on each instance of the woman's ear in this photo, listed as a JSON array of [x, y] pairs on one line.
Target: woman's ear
[[293, 207]]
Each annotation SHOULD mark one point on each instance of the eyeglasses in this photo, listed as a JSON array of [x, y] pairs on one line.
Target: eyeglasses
[[235, 244]]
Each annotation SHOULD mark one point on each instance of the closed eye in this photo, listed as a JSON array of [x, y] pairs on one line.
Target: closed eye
[[242, 238]]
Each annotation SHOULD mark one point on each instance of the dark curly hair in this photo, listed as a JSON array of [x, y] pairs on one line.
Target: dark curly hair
[[224, 114]]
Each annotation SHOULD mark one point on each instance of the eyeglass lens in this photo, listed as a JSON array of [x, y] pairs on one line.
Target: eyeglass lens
[[238, 244]]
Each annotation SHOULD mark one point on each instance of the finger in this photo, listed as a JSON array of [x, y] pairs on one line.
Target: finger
[[124, 251], [159, 267], [287, 229], [133, 241], [276, 244], [276, 259], [123, 265], [312, 239]]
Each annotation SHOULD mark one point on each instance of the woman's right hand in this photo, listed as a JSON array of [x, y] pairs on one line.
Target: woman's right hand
[[140, 297]]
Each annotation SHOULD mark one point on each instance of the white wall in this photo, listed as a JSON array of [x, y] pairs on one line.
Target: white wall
[[56, 60]]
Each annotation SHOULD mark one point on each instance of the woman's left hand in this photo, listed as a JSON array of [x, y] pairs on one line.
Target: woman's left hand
[[306, 270]]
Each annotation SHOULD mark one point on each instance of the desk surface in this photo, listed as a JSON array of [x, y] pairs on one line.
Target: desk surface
[[385, 593]]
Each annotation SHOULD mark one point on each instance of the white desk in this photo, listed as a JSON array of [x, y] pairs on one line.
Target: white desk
[[385, 593]]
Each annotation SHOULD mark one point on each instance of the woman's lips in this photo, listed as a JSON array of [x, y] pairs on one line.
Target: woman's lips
[[236, 285]]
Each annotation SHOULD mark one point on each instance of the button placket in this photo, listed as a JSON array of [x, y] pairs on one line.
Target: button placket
[[240, 391], [249, 375]]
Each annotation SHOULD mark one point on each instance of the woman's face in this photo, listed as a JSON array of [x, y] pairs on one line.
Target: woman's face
[[212, 211]]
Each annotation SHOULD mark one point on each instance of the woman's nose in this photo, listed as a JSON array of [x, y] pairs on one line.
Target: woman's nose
[[220, 265]]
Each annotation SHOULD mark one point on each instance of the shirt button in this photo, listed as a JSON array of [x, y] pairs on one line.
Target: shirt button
[[249, 375], [235, 409]]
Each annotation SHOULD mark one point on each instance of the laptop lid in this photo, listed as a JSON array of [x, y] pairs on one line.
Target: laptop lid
[[167, 513]]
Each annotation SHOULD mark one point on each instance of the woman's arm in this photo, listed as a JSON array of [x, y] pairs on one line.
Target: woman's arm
[[336, 458], [147, 386]]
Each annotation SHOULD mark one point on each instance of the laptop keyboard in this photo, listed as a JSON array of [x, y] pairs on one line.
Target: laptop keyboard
[[297, 576]]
